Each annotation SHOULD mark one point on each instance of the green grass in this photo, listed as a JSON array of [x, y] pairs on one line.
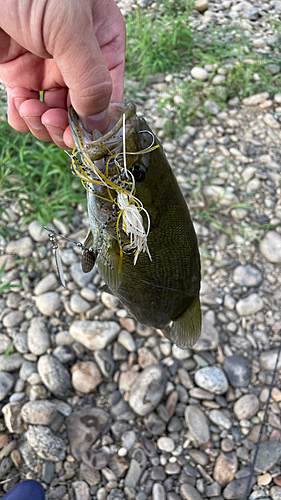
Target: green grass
[[38, 175], [158, 41]]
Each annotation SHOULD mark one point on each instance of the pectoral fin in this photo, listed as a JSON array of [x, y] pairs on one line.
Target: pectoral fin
[[186, 329], [108, 267]]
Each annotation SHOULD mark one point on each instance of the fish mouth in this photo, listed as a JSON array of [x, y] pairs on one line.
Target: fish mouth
[[103, 164], [97, 145]]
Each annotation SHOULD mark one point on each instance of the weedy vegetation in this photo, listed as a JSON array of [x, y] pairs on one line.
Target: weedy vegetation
[[4, 285]]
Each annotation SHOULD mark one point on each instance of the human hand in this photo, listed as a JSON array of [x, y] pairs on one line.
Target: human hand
[[73, 51]]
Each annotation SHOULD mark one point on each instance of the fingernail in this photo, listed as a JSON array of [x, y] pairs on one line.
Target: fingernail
[[55, 132], [17, 102], [99, 121], [34, 122]]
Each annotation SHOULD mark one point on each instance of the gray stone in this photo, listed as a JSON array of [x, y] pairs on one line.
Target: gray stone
[[199, 73], [90, 475], [5, 342], [255, 99], [213, 490], [154, 424], [20, 343], [219, 418], [48, 303], [6, 384], [270, 247], [5, 466], [212, 107], [147, 390], [275, 493], [105, 363], [250, 305], [97, 459], [10, 363], [39, 412], [247, 276], [181, 354], [126, 339], [12, 319], [38, 338], [45, 443], [197, 423], [268, 360], [218, 79], [212, 379], [64, 338], [137, 466], [94, 335], [271, 122], [64, 353], [209, 337], [48, 472], [78, 304], [188, 492], [268, 455], [13, 420], [238, 371], [29, 456], [84, 427], [27, 369], [237, 488], [47, 284], [22, 247], [246, 407], [80, 490], [55, 376], [158, 492], [166, 444], [82, 279], [37, 231]]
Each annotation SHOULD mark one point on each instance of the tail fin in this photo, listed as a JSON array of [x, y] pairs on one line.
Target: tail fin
[[185, 330]]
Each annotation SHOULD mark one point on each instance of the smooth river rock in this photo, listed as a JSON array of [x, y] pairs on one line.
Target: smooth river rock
[[55, 376], [38, 338], [247, 276], [238, 371], [249, 305], [212, 379], [197, 423], [48, 303], [147, 390], [84, 427], [94, 335], [246, 406], [270, 247]]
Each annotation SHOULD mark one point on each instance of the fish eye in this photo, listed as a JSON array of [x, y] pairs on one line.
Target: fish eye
[[139, 172]]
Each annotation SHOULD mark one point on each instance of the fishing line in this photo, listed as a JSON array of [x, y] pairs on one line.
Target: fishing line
[[248, 489]]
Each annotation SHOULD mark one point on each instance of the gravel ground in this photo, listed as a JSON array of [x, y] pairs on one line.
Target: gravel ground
[[96, 406]]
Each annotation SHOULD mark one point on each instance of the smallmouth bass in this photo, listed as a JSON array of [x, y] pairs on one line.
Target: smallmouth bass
[[141, 235]]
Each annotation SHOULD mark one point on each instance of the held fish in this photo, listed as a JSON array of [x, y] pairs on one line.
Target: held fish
[[141, 235]]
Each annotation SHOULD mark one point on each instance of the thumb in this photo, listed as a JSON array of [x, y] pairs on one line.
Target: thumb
[[78, 56]]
